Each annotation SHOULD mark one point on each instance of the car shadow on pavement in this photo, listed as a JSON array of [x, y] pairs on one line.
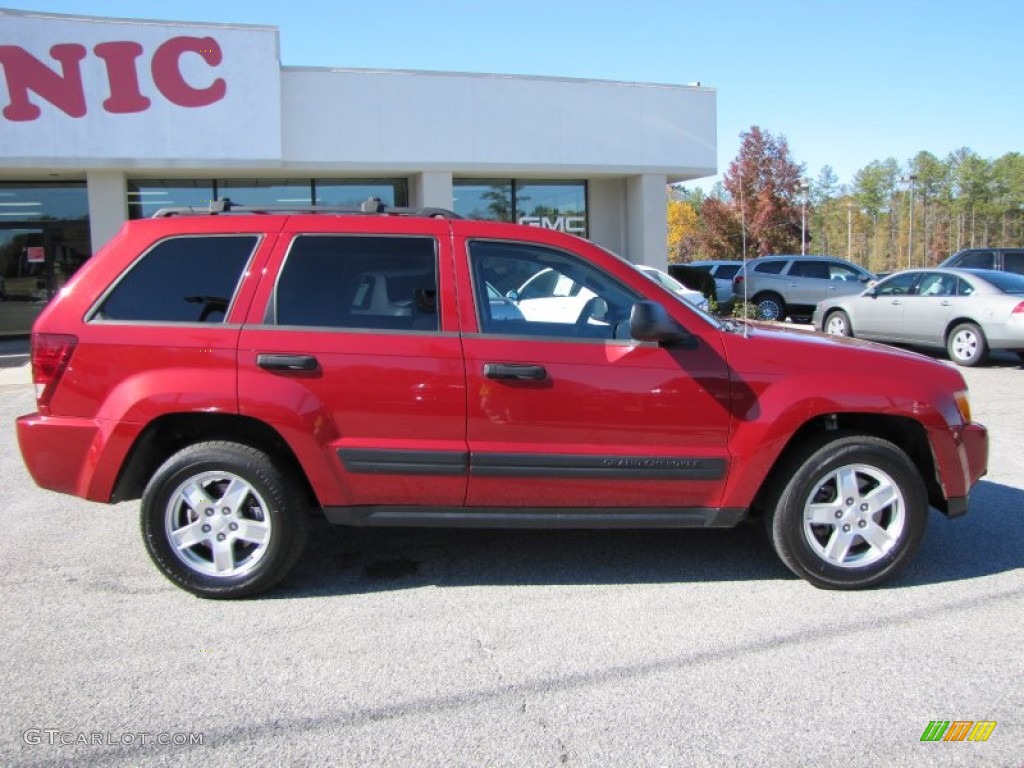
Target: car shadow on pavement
[[349, 561], [988, 540], [343, 561]]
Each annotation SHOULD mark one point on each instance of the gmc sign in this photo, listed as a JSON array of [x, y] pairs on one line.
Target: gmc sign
[[65, 90]]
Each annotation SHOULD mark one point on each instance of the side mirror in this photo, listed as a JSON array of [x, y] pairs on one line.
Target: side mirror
[[648, 321], [513, 296]]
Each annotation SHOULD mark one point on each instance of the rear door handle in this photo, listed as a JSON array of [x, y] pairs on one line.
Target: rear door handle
[[515, 371], [280, 362]]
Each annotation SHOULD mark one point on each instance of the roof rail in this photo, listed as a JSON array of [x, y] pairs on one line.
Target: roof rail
[[373, 205]]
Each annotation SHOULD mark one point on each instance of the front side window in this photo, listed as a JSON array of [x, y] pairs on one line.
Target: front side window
[[532, 290], [181, 280], [977, 260], [843, 273], [359, 282], [897, 285]]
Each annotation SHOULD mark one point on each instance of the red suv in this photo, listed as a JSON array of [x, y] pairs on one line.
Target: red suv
[[239, 371]]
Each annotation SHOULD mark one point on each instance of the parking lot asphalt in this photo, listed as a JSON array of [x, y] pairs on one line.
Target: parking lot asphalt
[[471, 648]]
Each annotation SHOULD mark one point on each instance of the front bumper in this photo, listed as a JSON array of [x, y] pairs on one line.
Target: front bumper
[[961, 460]]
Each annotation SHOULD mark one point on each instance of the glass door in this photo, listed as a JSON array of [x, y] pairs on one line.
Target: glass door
[[36, 259], [23, 277]]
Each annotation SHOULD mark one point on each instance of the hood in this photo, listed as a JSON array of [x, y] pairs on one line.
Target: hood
[[773, 349]]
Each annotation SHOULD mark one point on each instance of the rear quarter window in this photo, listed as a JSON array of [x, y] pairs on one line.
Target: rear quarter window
[[181, 280], [726, 271]]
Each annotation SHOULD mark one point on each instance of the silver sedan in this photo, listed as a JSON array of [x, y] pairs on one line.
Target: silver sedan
[[966, 312]]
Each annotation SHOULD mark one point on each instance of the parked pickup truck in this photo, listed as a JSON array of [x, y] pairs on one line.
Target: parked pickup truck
[[237, 372]]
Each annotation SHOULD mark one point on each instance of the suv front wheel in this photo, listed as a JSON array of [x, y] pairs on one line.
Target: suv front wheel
[[221, 521], [851, 513]]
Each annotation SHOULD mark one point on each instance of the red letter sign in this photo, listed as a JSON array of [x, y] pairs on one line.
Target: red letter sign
[[24, 73], [167, 71], [125, 95]]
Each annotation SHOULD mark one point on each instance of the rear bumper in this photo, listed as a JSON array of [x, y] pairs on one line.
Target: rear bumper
[[66, 455]]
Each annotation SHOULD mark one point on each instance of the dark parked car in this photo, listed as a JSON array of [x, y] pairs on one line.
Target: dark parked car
[[1001, 259], [723, 272]]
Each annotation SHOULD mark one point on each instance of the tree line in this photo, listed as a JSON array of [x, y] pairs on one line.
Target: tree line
[[892, 216]]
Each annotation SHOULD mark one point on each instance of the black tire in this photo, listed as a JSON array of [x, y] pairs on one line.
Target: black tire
[[837, 323], [229, 499], [966, 345], [770, 306], [833, 551]]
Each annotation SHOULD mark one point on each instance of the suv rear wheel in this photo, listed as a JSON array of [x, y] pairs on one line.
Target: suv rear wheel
[[221, 521], [851, 513], [770, 306]]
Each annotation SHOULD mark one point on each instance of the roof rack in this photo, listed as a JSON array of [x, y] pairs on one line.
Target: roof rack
[[373, 205]]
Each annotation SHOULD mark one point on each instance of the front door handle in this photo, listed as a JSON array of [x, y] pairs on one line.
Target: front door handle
[[280, 362], [515, 371]]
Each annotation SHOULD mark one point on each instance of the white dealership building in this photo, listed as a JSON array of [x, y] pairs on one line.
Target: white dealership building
[[102, 120]]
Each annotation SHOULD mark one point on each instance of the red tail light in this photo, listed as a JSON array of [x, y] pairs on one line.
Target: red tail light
[[737, 280], [1019, 309], [51, 353]]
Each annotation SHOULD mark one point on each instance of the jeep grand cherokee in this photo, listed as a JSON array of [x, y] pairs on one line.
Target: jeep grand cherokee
[[237, 371]]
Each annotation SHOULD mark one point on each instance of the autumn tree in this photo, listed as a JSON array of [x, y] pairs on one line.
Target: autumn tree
[[765, 183], [682, 231]]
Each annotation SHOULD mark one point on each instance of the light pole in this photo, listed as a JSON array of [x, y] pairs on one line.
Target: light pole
[[912, 178], [804, 187]]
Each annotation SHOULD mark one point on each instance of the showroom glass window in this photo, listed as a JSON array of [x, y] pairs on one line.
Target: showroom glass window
[[147, 196], [353, 192], [560, 205], [44, 239]]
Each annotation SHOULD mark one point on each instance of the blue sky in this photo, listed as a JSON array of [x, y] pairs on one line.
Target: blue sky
[[845, 82]]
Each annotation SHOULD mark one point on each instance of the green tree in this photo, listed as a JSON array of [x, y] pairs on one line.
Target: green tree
[[1008, 185], [823, 193], [931, 179]]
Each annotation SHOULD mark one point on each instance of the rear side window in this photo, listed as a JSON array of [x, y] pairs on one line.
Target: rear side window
[[814, 269], [181, 280], [359, 282], [770, 267], [1013, 261]]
